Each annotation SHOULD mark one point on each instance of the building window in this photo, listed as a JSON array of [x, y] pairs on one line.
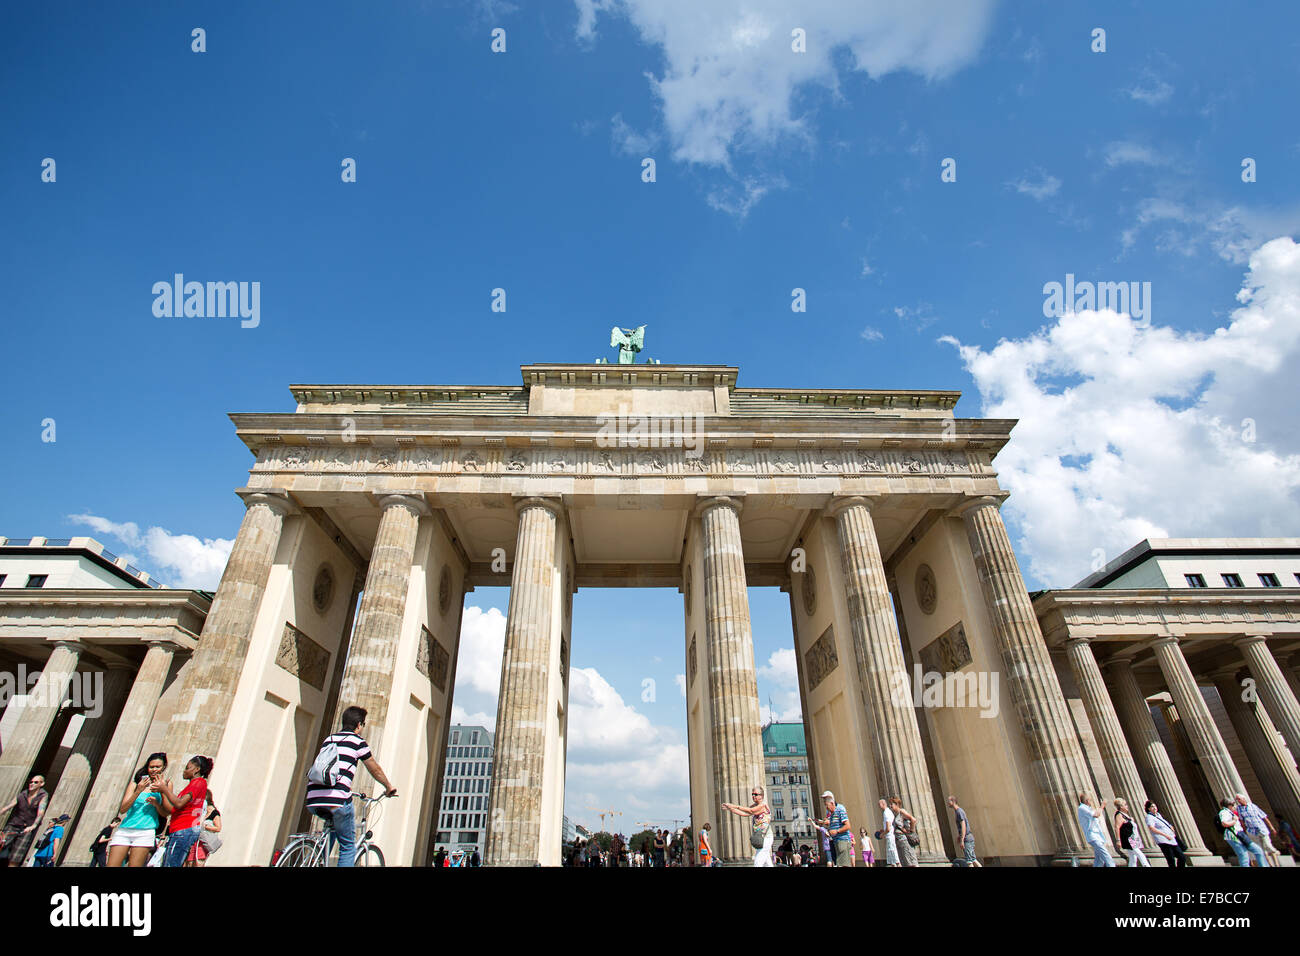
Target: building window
[[1195, 580], [794, 749], [474, 737], [1231, 580], [36, 580], [455, 736], [1267, 579], [2, 580]]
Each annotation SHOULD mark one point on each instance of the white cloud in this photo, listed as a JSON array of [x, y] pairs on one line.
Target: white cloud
[[1231, 232], [1128, 432], [482, 643], [729, 77], [779, 693], [1150, 89], [680, 681], [1044, 187], [866, 268], [1124, 152], [480, 718], [872, 334], [179, 560], [628, 141]]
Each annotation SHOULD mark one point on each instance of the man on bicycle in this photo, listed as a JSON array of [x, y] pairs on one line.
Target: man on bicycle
[[334, 803]]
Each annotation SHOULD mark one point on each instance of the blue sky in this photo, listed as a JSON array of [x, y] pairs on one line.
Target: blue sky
[[775, 170]]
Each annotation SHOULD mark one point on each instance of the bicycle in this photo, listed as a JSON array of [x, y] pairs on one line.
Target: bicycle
[[314, 849]]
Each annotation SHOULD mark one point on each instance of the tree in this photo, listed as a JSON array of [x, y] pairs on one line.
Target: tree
[[642, 841]]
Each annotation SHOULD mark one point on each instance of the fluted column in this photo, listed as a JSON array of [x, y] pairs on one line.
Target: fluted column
[[129, 733], [42, 706], [1202, 733], [882, 671], [372, 656], [1279, 779], [1059, 766], [1152, 759], [1115, 755], [213, 674], [1291, 673], [1271, 686], [87, 752], [735, 722], [519, 762]]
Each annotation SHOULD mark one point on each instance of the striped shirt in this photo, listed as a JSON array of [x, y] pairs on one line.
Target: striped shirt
[[838, 820], [1252, 816], [352, 750]]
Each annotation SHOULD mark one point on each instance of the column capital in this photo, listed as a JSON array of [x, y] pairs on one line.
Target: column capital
[[552, 503], [1118, 663], [1165, 641], [69, 645], [705, 502], [412, 500], [841, 503], [1075, 640], [976, 502], [277, 499], [1249, 640]]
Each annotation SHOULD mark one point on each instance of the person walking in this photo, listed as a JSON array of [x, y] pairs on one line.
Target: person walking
[[185, 809], [965, 836], [660, 844], [1093, 834], [47, 851], [1258, 827], [868, 858], [1130, 838], [332, 802], [838, 830], [760, 815], [886, 833], [28, 809], [706, 848], [904, 832], [141, 813], [1165, 836], [99, 849], [209, 841], [1235, 835]]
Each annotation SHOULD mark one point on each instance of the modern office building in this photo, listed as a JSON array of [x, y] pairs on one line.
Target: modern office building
[[463, 815], [56, 563]]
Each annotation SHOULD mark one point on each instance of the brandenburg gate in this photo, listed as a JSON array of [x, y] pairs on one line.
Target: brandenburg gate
[[373, 509]]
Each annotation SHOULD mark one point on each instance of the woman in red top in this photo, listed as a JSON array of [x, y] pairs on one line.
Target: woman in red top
[[186, 809]]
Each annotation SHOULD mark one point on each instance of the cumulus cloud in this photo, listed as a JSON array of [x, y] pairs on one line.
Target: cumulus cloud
[[480, 718], [779, 687], [482, 642], [178, 560], [1129, 432], [730, 78], [1042, 186]]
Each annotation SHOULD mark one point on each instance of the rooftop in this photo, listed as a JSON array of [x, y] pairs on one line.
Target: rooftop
[[83, 547], [1186, 547]]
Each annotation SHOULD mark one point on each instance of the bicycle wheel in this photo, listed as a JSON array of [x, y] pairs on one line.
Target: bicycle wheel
[[298, 853], [370, 856]]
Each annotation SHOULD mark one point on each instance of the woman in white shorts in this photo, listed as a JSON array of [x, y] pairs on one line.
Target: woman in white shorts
[[134, 840]]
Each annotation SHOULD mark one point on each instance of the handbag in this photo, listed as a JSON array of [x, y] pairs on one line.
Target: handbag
[[211, 841], [758, 836]]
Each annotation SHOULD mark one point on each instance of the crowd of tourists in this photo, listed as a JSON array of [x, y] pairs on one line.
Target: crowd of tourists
[[154, 825]]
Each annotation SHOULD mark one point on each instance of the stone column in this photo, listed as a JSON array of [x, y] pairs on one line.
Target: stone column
[[37, 717], [87, 752], [1203, 735], [208, 692], [372, 656], [122, 758], [1115, 755], [1152, 759], [519, 760], [1271, 686], [882, 671], [737, 735], [1044, 717], [1257, 734], [1292, 677]]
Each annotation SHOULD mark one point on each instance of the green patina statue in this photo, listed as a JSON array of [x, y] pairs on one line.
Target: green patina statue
[[628, 342]]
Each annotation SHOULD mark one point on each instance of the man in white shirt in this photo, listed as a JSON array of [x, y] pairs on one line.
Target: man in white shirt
[[887, 834], [1090, 823]]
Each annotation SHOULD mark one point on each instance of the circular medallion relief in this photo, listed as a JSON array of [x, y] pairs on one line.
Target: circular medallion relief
[[927, 593], [322, 589], [444, 589], [809, 591]]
